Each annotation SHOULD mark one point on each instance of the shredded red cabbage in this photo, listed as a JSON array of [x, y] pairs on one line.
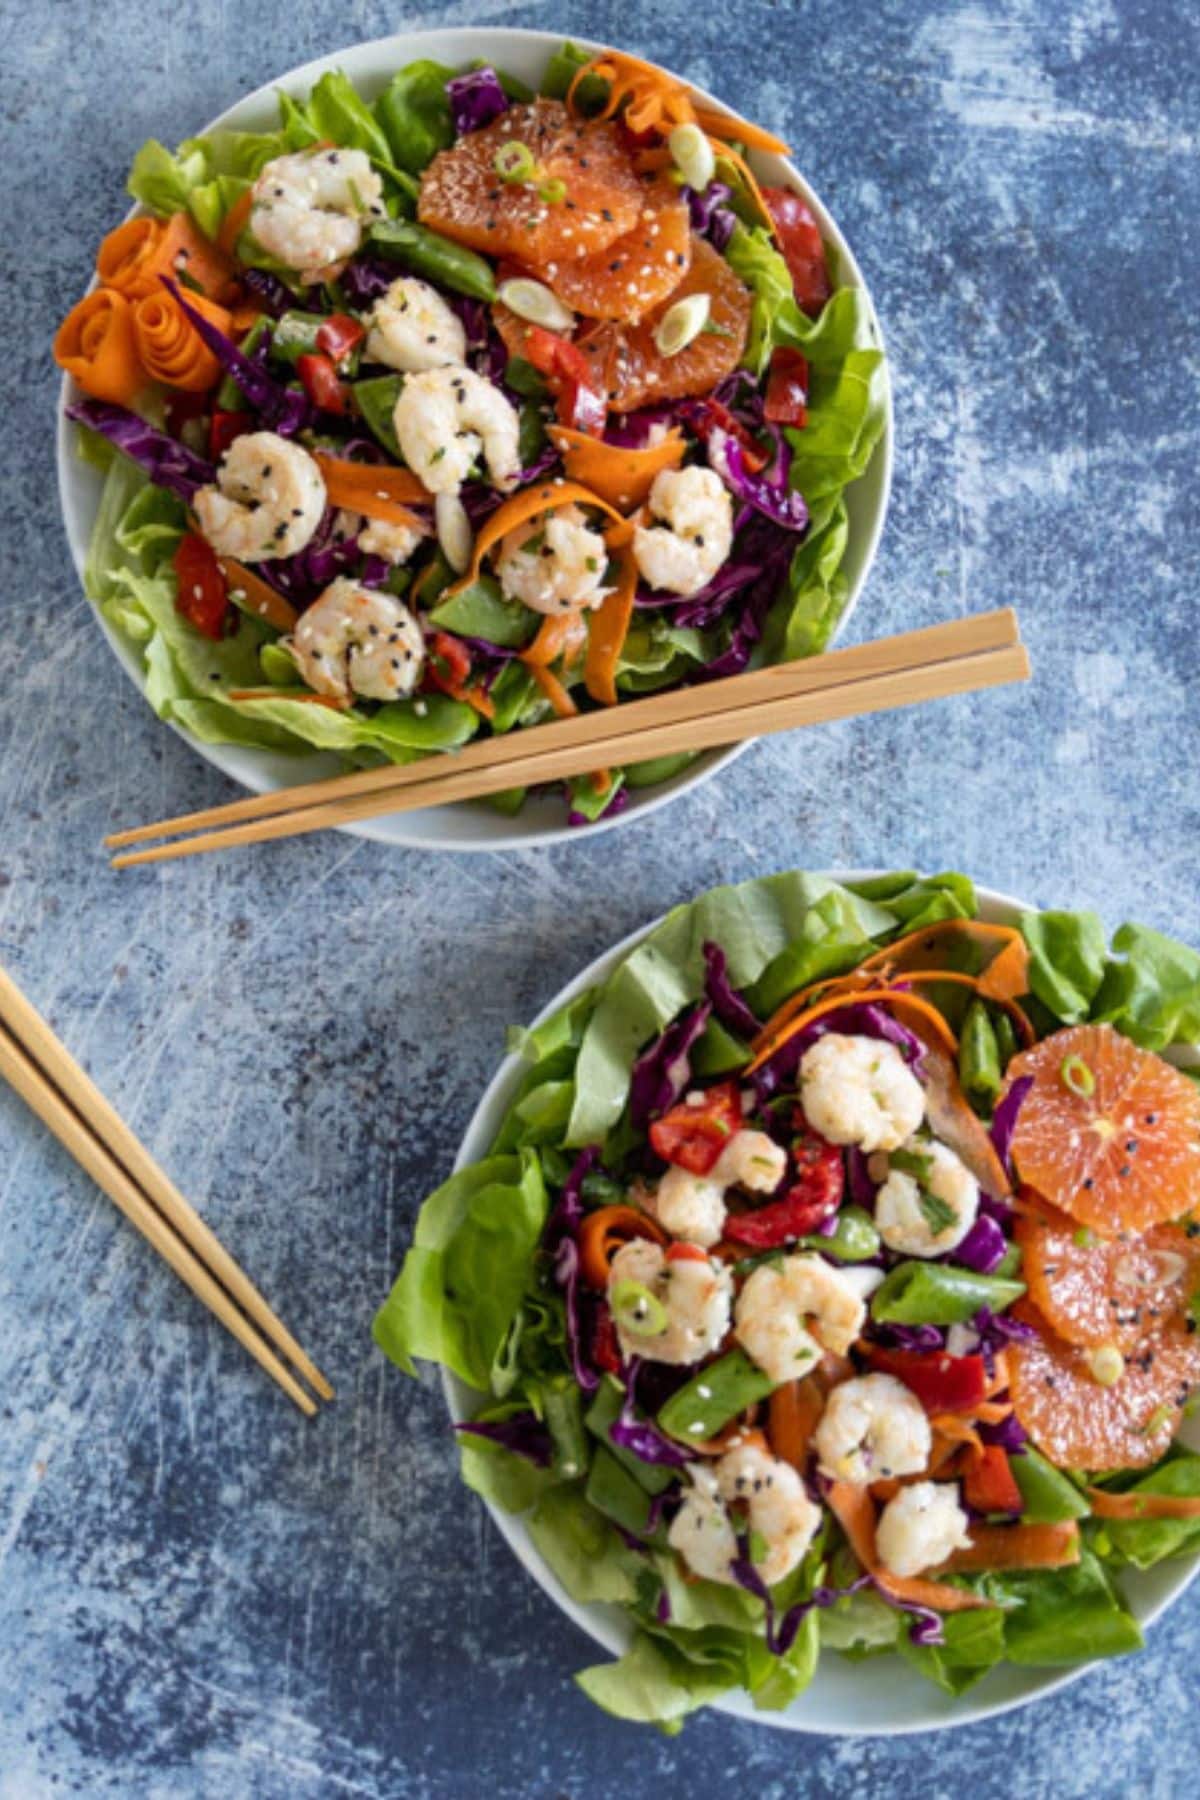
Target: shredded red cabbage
[[913, 1337], [782, 1635], [984, 1247], [711, 216], [167, 462], [567, 1216], [786, 506], [476, 98], [523, 1434], [1004, 1119], [638, 1435], [858, 1178], [727, 1003], [273, 294], [1010, 1434], [664, 1068], [566, 1274], [365, 279], [284, 409]]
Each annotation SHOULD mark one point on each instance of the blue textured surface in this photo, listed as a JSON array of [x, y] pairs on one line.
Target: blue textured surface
[[199, 1595]]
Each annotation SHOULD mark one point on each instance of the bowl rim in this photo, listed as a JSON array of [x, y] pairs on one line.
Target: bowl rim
[[247, 765], [608, 1625]]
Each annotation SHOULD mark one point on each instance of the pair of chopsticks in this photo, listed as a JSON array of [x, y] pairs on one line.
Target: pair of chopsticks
[[957, 658], [46, 1076]]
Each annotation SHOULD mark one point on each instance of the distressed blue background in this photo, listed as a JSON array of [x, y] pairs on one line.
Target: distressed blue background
[[198, 1593]]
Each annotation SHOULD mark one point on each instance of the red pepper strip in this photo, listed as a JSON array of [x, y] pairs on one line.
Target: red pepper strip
[[201, 596], [693, 1137], [943, 1384], [223, 429], [810, 1200], [686, 1253], [787, 388], [322, 384], [710, 415], [339, 336], [606, 1351], [581, 404], [799, 238], [447, 669], [989, 1483]]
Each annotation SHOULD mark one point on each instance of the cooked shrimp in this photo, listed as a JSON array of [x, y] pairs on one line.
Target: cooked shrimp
[[921, 1527], [390, 539], [860, 1090], [689, 1206], [445, 417], [268, 499], [789, 1312], [694, 1294], [770, 1497], [751, 1160], [308, 210], [682, 553], [357, 640], [413, 328], [555, 562], [873, 1427], [930, 1212]]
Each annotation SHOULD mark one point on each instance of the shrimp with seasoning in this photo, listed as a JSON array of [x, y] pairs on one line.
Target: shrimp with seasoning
[[790, 1312], [669, 1309], [356, 640], [693, 1206], [308, 210], [872, 1428], [268, 499], [554, 563], [682, 553], [413, 328], [747, 1490], [860, 1090], [445, 417], [921, 1527]]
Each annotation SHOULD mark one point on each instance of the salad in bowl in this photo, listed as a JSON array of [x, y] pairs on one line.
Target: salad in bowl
[[819, 1283], [453, 402]]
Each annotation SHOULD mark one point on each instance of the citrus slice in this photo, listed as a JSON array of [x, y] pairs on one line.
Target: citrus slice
[[1082, 1422], [632, 369], [1094, 1290], [635, 272], [583, 193], [1108, 1133]]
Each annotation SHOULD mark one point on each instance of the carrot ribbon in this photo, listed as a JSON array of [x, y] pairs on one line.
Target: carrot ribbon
[[96, 343]]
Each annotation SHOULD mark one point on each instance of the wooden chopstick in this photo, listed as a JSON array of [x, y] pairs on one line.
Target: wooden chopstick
[[934, 643], [50, 1081], [871, 694]]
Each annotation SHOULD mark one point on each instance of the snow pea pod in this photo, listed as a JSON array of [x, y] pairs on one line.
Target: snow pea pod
[[376, 397], [230, 397], [295, 335], [604, 1412], [979, 1067], [615, 1493], [562, 1414], [713, 1397], [919, 1293], [1047, 1497], [436, 258]]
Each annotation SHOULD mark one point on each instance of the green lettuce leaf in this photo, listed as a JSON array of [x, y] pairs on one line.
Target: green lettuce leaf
[[974, 1643], [1152, 993], [1066, 961], [583, 1550], [1144, 1542], [654, 1683], [462, 1282], [413, 114], [1062, 1616]]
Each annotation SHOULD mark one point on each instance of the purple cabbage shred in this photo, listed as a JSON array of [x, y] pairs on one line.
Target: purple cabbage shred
[[617, 804], [167, 462], [476, 98], [272, 293], [727, 1003], [1004, 1119], [781, 1634], [664, 1069], [639, 1436], [284, 409], [858, 1178], [566, 1274], [984, 1247], [523, 1434], [365, 279]]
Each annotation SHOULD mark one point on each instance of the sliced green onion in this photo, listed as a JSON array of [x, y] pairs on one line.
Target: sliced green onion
[[937, 1214], [912, 1162], [534, 301], [759, 1547], [1107, 1365], [680, 324], [693, 156], [553, 192], [1084, 1238], [514, 161], [454, 535], [640, 1311], [1158, 1418], [1076, 1075]]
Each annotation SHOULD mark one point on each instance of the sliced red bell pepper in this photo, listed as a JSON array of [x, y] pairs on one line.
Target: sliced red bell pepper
[[813, 1196], [606, 1351], [990, 1485], [322, 383], [201, 597], [581, 404], [799, 238], [448, 662], [710, 414], [686, 1253], [787, 388], [692, 1137], [941, 1383], [340, 336], [223, 429]]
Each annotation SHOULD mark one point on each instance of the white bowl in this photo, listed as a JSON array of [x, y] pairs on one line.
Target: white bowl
[[845, 1699], [542, 819]]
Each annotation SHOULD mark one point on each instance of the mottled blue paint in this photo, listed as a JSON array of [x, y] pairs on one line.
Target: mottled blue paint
[[201, 1595]]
